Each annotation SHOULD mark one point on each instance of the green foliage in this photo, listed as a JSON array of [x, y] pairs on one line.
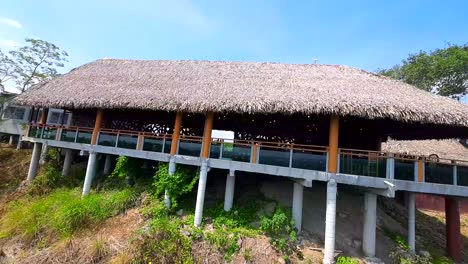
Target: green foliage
[[62, 212], [36, 62], [164, 243], [281, 230], [182, 182], [399, 240], [346, 260], [443, 71], [50, 178]]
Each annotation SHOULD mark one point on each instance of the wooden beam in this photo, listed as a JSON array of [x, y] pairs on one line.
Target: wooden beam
[[97, 126], [421, 170], [43, 119], [207, 135], [176, 133], [333, 144]]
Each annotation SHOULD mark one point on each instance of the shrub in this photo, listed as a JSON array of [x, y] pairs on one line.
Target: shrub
[[62, 212], [281, 230], [346, 260], [182, 182], [50, 178], [163, 243]]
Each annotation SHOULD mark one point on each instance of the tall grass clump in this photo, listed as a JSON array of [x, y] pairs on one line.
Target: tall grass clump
[[62, 212]]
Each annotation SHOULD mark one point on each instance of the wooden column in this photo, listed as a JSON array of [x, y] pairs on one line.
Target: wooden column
[[43, 119], [452, 225], [97, 126], [333, 144], [207, 135], [421, 170], [176, 133]]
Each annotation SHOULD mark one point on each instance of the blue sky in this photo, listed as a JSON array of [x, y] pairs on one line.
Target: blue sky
[[365, 34]]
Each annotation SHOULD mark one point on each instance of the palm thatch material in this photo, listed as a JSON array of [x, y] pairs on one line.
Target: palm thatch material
[[447, 148], [246, 87]]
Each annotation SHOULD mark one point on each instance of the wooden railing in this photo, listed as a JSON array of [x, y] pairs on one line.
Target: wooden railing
[[311, 157]]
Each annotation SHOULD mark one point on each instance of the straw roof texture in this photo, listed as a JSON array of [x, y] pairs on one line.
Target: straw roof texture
[[247, 87], [446, 148]]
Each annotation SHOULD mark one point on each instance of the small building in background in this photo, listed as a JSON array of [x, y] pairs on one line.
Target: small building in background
[[453, 149]]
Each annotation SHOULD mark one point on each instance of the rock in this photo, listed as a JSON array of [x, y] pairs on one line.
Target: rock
[[269, 208], [239, 242], [357, 243], [180, 212], [208, 220], [255, 224], [281, 260], [342, 215], [373, 260], [185, 233], [425, 254]]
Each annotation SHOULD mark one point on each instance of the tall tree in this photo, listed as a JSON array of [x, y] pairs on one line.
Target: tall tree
[[442, 71], [36, 62], [7, 69]]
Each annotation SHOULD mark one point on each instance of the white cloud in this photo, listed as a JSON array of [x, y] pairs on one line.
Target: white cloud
[[10, 22], [8, 43]]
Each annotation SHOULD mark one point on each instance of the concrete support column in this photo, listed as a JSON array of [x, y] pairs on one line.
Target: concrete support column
[[107, 165], [20, 143], [44, 154], [370, 224], [174, 150], [229, 193], [11, 140], [67, 162], [330, 219], [298, 196], [90, 173], [452, 224], [201, 193], [34, 161], [412, 222]]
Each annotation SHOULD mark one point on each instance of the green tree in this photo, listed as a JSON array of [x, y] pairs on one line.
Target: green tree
[[441, 71], [7, 68], [28, 65]]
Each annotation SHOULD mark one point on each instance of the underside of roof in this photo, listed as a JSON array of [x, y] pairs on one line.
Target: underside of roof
[[244, 87]]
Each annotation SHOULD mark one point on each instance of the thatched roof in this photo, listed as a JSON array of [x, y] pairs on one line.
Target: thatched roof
[[200, 86], [446, 148]]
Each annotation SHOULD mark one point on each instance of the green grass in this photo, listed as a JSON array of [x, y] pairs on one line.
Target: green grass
[[347, 260], [62, 212]]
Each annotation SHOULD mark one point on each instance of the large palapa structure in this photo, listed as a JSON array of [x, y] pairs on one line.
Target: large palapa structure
[[305, 122]]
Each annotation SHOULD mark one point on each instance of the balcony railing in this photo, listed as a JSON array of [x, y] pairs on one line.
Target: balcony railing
[[351, 161]]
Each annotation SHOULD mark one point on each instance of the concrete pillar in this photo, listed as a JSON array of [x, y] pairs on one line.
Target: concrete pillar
[[107, 165], [229, 193], [298, 195], [34, 161], [412, 222], [452, 224], [201, 193], [90, 172], [20, 143], [370, 224], [11, 140], [44, 153], [330, 219], [67, 162]]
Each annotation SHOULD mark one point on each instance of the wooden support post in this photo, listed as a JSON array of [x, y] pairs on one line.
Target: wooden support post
[[207, 135], [254, 152], [333, 144], [140, 141], [421, 170], [452, 225], [97, 126], [43, 119], [176, 133]]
